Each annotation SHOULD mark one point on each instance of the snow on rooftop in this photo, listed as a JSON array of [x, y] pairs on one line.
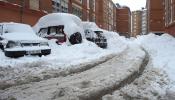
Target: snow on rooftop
[[18, 31]]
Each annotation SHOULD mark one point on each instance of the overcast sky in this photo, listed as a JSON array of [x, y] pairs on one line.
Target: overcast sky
[[133, 4]]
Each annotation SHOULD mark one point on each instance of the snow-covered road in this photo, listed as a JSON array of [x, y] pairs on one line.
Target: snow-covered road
[[87, 85]]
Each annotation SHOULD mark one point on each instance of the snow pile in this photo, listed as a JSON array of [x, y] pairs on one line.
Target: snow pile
[[72, 23], [115, 42], [161, 50], [16, 31], [64, 55]]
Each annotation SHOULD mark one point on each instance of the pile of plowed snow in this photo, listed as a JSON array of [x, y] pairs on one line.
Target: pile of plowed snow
[[162, 52]]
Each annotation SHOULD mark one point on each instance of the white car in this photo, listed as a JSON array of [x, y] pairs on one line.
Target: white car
[[63, 27], [17, 40]]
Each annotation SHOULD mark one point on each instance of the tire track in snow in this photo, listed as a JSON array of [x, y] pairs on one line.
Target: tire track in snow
[[88, 85], [48, 74], [129, 79]]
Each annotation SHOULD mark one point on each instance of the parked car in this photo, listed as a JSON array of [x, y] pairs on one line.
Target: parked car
[[159, 33], [94, 34], [17, 40], [60, 26]]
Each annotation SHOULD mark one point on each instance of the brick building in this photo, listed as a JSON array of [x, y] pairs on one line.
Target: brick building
[[136, 23], [24, 11], [161, 16], [156, 10], [123, 20], [103, 12]]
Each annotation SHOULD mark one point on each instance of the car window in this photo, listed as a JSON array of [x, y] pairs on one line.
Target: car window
[[1, 29], [60, 30], [98, 33], [43, 32], [53, 30]]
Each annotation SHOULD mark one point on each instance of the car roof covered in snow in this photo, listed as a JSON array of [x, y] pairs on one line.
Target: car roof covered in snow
[[91, 25], [71, 22], [18, 31], [18, 27]]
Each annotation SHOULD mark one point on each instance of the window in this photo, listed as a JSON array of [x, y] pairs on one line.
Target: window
[[34, 4], [43, 32]]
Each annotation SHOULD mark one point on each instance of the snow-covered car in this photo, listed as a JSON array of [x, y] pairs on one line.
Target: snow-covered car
[[60, 26], [94, 34], [17, 40]]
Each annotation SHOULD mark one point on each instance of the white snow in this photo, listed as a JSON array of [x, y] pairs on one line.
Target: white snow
[[16, 31], [162, 52], [62, 57]]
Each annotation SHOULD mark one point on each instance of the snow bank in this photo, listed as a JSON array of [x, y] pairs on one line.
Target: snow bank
[[62, 57], [161, 50]]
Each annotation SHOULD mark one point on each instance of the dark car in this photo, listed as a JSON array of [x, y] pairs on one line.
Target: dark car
[[17, 40], [96, 36]]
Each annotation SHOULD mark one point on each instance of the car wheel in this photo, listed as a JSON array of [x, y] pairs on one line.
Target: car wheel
[[75, 38]]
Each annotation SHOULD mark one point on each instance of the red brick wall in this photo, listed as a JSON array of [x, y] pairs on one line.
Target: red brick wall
[[123, 18], [156, 10], [12, 13]]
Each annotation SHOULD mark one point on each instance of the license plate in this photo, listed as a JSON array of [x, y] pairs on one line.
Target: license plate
[[34, 52]]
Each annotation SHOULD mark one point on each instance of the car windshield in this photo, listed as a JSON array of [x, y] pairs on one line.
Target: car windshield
[[14, 28], [99, 33]]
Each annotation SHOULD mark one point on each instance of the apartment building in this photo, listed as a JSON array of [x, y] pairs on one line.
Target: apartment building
[[136, 23], [144, 22], [103, 12], [156, 20], [123, 20], [170, 16]]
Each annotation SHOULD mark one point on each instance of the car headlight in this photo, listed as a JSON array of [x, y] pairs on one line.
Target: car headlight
[[44, 44], [12, 44]]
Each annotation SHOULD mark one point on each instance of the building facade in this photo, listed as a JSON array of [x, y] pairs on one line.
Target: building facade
[[103, 12], [23, 11], [170, 16], [156, 20], [136, 28], [144, 22], [123, 21]]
